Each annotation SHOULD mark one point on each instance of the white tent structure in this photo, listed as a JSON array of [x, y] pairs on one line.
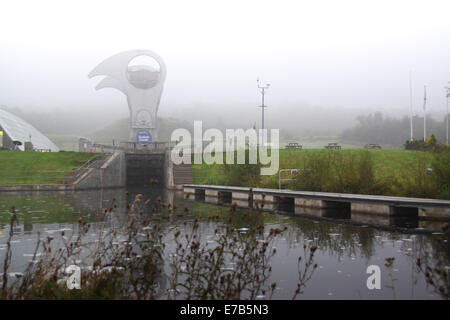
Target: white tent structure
[[18, 129]]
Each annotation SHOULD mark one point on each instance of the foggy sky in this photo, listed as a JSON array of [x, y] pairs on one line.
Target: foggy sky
[[333, 54]]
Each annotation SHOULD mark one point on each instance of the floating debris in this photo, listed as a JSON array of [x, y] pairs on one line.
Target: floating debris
[[31, 255], [58, 230], [227, 269], [15, 274]]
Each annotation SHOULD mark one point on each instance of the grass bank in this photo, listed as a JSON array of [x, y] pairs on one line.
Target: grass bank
[[17, 167], [383, 172]]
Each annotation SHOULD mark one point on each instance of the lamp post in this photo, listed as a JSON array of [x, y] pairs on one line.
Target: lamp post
[[262, 106], [411, 107]]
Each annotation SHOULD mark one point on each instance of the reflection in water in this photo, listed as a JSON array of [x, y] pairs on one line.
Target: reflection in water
[[343, 252]]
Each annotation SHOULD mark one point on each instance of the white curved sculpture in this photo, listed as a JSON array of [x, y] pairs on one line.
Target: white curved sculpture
[[142, 85]]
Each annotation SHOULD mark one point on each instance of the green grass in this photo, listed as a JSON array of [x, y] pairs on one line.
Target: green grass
[[394, 168], [17, 167], [387, 163], [392, 162]]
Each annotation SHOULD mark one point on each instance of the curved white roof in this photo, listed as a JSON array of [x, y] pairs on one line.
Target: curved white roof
[[19, 129]]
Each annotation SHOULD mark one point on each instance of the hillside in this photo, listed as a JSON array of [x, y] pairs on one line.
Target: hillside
[[118, 130], [19, 167]]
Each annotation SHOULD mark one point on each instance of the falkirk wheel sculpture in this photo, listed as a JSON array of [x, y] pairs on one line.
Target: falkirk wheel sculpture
[[141, 84]]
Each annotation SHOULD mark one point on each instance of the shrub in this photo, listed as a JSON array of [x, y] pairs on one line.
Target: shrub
[[334, 171], [243, 174], [441, 174]]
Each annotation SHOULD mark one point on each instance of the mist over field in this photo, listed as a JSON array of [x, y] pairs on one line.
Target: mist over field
[[328, 63]]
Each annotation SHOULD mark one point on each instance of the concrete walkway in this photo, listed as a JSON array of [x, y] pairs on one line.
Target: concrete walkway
[[272, 199]]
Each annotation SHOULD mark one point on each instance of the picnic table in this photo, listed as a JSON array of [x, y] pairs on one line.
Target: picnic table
[[372, 146], [293, 145], [333, 145]]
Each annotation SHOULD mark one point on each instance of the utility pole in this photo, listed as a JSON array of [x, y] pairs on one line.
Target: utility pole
[[424, 113], [448, 97], [262, 106], [410, 105]]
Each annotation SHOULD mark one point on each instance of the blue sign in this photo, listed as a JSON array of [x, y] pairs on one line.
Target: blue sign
[[143, 137]]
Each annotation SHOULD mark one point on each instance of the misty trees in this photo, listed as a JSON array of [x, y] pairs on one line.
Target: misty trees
[[376, 128]]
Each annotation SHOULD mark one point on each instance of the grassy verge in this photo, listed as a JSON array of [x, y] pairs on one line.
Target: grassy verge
[[383, 172], [18, 167]]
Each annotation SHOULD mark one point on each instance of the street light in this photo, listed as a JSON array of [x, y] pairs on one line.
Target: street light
[[262, 106]]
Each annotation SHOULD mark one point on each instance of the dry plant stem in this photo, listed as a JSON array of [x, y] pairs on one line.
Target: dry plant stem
[[8, 255]]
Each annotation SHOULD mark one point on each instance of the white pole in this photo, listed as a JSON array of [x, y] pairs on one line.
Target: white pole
[[448, 97], [424, 113], [410, 105]]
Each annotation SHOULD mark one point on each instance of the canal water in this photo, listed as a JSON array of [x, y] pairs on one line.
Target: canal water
[[344, 252]]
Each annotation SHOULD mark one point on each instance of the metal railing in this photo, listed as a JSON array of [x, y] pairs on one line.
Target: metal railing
[[292, 175], [150, 147]]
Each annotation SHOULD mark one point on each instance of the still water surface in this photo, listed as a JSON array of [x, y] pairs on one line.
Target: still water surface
[[345, 250]]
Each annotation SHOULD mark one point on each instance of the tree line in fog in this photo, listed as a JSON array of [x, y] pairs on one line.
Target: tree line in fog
[[377, 128]]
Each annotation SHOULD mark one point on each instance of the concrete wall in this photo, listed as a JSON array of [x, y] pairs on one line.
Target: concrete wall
[[6, 140], [309, 203], [110, 175], [439, 213], [168, 172], [266, 202]]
